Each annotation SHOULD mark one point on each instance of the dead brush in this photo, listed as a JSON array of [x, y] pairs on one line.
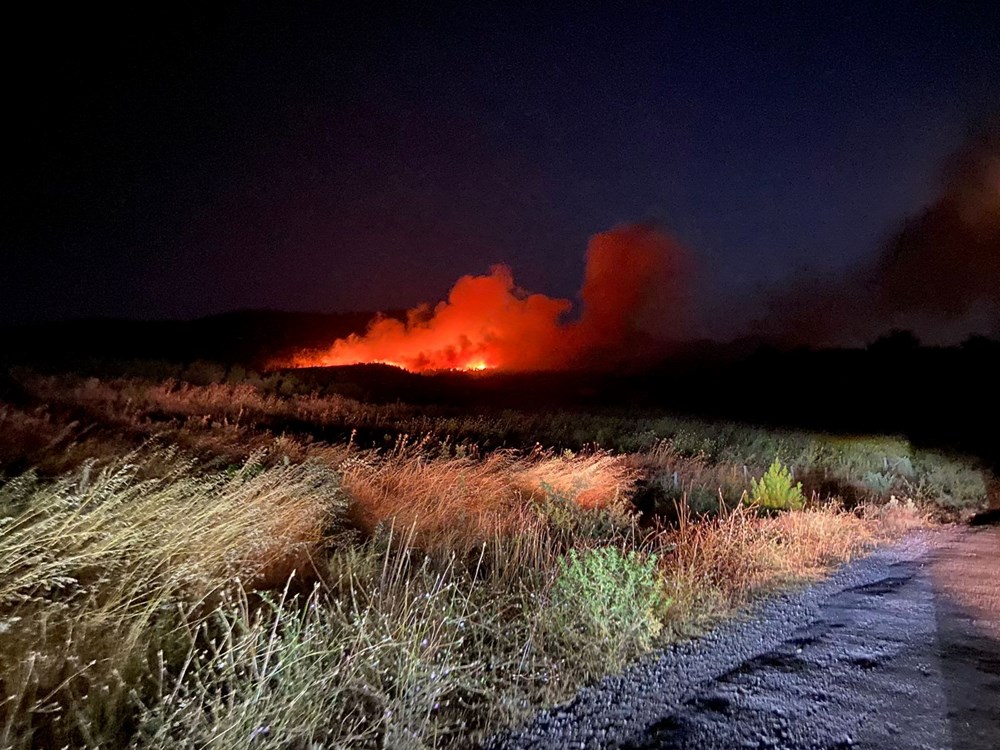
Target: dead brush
[[715, 566], [596, 479], [896, 517]]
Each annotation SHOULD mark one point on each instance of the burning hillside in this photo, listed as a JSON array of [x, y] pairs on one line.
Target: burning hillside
[[633, 302]]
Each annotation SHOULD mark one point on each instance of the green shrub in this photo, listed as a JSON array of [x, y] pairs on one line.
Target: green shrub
[[878, 482], [947, 482], [775, 490], [608, 601]]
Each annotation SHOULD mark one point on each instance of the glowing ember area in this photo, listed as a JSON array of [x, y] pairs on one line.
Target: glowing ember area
[[632, 298]]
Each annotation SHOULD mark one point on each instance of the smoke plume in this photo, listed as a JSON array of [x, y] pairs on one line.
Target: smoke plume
[[938, 275], [945, 263], [634, 303]]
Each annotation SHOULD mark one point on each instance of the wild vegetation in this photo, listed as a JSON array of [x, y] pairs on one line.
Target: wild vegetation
[[244, 565]]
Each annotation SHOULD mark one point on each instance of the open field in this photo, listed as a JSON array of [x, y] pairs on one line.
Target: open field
[[255, 564]]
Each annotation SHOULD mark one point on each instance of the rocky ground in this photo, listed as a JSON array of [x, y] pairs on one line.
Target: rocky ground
[[899, 650]]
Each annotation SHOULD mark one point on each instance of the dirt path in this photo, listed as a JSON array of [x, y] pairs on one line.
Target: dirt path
[[900, 650]]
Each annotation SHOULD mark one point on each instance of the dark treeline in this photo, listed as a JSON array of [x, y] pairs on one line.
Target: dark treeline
[[248, 338]]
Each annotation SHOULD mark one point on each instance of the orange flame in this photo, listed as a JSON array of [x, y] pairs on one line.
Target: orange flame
[[631, 296]]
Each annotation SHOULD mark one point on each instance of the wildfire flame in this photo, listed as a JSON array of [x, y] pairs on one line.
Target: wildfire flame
[[632, 295]]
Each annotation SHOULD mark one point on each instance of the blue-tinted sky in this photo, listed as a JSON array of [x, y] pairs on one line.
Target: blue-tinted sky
[[195, 160]]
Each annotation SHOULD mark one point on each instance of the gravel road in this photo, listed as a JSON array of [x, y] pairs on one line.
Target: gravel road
[[898, 650]]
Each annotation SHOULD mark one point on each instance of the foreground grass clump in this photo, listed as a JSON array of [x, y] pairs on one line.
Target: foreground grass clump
[[137, 611], [413, 655], [103, 565], [397, 661]]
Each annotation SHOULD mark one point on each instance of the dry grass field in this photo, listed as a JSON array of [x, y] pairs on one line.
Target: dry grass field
[[234, 566]]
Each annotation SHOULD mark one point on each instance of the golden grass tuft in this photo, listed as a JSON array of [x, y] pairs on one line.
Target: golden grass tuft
[[459, 502]]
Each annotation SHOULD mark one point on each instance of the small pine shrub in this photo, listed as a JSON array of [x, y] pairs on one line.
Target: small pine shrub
[[776, 490]]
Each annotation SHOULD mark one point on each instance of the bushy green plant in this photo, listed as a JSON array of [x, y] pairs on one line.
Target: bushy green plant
[[949, 483], [878, 482], [608, 599], [776, 490]]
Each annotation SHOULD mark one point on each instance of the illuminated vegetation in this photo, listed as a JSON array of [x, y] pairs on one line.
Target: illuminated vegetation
[[777, 490], [229, 566]]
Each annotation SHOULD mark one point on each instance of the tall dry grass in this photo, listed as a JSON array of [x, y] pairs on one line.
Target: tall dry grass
[[457, 503], [98, 563], [718, 565]]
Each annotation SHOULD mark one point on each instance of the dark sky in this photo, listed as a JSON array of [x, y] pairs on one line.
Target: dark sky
[[186, 161]]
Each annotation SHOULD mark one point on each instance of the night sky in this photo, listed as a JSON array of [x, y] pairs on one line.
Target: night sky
[[189, 161]]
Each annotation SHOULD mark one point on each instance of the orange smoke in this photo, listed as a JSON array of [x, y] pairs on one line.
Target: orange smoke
[[635, 293], [633, 301]]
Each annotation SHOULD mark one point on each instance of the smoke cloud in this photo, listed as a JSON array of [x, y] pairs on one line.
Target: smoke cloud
[[938, 276], [635, 291], [945, 263], [634, 303]]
